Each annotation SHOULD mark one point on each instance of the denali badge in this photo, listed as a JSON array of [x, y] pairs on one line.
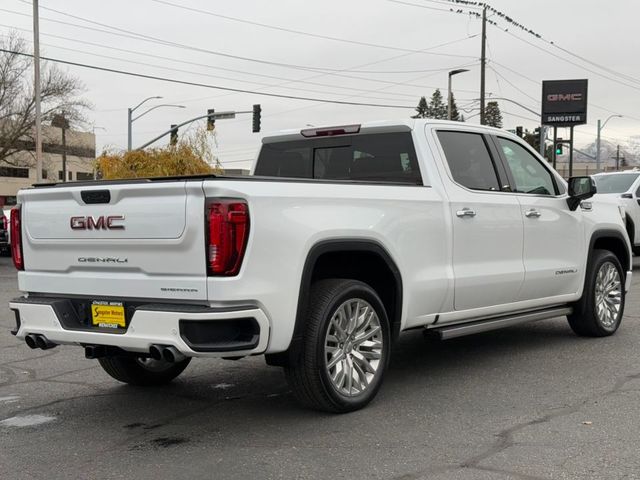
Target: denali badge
[[102, 260], [99, 223], [566, 271]]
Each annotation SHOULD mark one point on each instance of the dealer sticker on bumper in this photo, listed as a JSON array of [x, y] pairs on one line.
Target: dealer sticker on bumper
[[108, 315]]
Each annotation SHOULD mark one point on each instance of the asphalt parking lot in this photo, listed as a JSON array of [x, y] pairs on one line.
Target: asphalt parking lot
[[529, 402]]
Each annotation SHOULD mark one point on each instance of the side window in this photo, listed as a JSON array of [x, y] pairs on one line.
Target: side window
[[469, 160], [529, 174]]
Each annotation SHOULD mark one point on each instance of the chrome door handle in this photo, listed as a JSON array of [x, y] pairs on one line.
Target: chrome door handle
[[466, 212], [533, 213]]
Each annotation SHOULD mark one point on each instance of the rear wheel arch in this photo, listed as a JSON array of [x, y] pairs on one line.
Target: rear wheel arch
[[357, 259]]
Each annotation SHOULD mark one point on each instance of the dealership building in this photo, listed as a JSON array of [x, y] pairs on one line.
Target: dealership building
[[20, 172]]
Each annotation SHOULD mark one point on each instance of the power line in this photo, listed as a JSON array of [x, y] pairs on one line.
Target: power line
[[536, 120], [282, 29], [570, 61], [204, 85], [146, 38], [77, 17], [445, 2], [513, 22], [160, 57], [537, 83], [266, 85], [513, 85]]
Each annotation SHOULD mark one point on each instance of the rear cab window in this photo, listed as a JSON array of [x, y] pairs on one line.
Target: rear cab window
[[469, 160], [379, 158]]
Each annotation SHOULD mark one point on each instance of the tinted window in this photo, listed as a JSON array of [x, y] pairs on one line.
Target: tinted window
[[285, 159], [615, 183], [385, 157], [469, 160], [529, 174]]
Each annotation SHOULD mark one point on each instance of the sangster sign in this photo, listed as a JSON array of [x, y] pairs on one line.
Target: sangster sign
[[564, 102]]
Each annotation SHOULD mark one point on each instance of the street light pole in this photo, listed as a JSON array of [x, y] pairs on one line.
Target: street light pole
[[600, 127], [450, 99], [129, 121], [153, 108]]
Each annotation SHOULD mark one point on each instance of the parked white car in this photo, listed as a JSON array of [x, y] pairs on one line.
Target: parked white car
[[623, 187], [344, 237]]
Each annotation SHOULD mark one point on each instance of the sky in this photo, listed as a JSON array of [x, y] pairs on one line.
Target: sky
[[383, 52]]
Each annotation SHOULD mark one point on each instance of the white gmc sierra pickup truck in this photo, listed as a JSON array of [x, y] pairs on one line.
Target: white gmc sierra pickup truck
[[343, 238]]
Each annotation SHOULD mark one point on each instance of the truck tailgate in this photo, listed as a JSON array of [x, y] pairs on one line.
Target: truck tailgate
[[134, 240]]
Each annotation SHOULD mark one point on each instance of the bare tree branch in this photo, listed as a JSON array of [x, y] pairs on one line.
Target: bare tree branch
[[60, 93]]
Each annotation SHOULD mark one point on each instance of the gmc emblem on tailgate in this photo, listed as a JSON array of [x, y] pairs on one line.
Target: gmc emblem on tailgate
[[97, 223]]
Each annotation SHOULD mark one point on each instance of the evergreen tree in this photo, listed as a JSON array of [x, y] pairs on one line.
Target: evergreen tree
[[437, 107], [422, 109], [455, 115], [492, 115]]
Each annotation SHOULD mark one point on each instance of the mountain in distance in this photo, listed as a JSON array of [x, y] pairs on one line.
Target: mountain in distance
[[629, 152]]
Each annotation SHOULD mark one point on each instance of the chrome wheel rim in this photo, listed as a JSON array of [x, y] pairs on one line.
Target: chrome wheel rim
[[608, 295], [353, 347]]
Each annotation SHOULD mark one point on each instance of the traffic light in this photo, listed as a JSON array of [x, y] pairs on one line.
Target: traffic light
[[173, 140], [211, 122], [519, 131], [257, 112], [559, 147]]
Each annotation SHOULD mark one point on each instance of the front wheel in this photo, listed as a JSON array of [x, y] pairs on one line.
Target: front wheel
[[345, 349], [599, 311], [142, 371]]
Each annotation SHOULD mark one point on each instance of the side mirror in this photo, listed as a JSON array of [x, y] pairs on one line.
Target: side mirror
[[580, 188]]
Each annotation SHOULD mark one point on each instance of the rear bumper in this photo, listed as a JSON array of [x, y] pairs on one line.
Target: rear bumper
[[195, 331]]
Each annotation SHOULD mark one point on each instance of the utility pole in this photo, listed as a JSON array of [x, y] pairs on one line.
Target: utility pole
[[598, 148], [60, 121], [450, 94], [618, 158], [600, 127], [36, 89], [483, 63], [129, 112], [64, 148], [571, 151]]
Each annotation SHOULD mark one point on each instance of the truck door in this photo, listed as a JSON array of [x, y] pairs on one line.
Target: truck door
[[554, 240], [487, 222]]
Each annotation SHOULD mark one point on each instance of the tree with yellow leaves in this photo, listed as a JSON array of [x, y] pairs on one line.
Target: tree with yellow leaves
[[193, 155]]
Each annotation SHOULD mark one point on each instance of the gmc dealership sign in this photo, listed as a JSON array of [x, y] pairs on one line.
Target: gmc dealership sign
[[564, 102]]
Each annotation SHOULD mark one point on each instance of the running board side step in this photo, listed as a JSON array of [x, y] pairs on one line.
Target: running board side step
[[495, 323]]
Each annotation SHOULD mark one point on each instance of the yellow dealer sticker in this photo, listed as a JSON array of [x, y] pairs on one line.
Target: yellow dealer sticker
[[108, 315]]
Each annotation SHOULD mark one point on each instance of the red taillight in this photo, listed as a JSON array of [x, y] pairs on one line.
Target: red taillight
[[228, 234], [15, 233]]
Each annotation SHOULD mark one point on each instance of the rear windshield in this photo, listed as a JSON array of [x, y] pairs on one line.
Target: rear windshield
[[618, 183], [382, 157]]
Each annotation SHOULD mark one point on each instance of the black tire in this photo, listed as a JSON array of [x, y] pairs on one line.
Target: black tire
[[132, 370], [585, 320], [308, 376]]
